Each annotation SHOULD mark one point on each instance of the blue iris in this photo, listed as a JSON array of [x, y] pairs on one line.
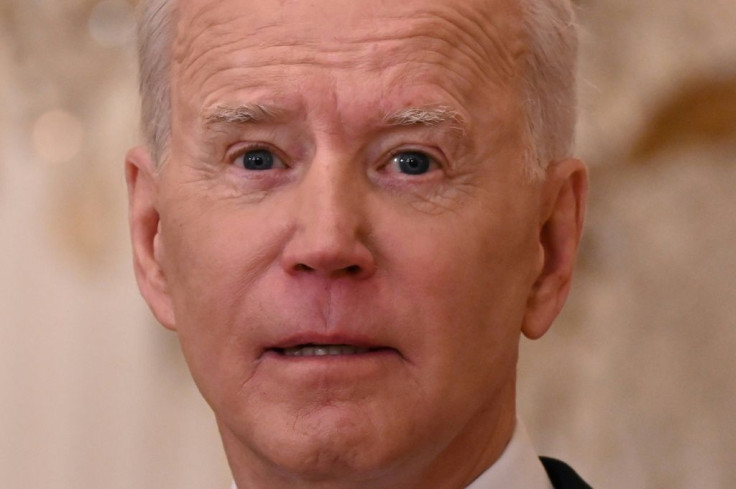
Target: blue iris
[[259, 159], [413, 163]]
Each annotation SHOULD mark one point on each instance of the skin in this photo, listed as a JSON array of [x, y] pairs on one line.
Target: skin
[[440, 272]]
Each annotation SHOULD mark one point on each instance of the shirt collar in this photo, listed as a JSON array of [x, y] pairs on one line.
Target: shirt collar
[[518, 467]]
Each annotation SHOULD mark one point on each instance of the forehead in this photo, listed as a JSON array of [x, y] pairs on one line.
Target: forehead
[[460, 47]]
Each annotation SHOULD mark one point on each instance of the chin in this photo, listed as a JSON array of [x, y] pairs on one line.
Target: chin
[[329, 442]]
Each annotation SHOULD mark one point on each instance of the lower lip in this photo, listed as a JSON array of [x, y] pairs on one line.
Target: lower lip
[[304, 379], [329, 369]]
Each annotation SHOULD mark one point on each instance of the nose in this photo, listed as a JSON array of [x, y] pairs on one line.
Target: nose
[[330, 229]]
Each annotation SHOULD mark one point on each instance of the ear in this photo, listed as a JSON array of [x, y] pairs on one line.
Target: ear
[[143, 218], [564, 193]]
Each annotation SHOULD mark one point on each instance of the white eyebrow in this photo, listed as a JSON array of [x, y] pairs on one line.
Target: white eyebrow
[[425, 116], [239, 114], [412, 116]]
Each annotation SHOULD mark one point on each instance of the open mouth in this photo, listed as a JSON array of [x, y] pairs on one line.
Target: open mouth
[[317, 350]]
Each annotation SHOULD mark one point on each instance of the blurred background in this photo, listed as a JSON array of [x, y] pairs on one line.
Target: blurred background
[[634, 386]]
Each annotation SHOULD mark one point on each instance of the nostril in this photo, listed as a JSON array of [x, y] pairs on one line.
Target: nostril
[[352, 270], [349, 270]]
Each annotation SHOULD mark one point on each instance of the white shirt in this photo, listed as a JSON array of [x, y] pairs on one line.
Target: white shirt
[[518, 467]]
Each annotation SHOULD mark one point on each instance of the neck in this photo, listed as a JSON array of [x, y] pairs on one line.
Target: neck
[[470, 454]]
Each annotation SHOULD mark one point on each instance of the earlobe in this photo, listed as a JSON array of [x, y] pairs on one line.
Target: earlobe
[[145, 231], [564, 195]]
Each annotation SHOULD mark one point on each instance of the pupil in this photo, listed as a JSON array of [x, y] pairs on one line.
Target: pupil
[[413, 163], [258, 160]]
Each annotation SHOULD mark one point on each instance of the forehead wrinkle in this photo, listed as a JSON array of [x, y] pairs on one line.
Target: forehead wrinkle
[[186, 36], [484, 39], [459, 22], [489, 38], [397, 66], [190, 54]]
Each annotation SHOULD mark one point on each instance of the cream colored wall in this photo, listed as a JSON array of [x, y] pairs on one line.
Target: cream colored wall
[[94, 394], [634, 385]]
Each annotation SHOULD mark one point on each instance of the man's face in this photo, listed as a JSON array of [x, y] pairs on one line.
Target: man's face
[[347, 235]]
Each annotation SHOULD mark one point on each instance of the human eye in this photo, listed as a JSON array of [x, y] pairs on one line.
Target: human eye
[[412, 162], [258, 159]]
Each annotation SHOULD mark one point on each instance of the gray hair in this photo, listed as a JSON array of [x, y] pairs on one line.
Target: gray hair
[[548, 77], [156, 31], [549, 81]]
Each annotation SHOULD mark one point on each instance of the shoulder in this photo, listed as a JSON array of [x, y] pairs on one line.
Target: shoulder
[[562, 475]]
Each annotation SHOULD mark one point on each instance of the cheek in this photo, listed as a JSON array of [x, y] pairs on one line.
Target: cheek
[[215, 261], [468, 293]]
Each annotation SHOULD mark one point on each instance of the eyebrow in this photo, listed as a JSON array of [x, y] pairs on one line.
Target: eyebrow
[[240, 114], [426, 116], [411, 116]]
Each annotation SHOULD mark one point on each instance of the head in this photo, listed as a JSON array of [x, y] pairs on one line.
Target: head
[[349, 212]]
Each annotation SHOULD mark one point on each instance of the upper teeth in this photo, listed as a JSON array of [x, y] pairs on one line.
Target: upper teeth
[[323, 350]]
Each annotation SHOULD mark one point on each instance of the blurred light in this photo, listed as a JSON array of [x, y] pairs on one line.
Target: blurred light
[[112, 23], [57, 136]]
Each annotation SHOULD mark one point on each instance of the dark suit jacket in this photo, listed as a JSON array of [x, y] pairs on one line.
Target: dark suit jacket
[[562, 475]]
